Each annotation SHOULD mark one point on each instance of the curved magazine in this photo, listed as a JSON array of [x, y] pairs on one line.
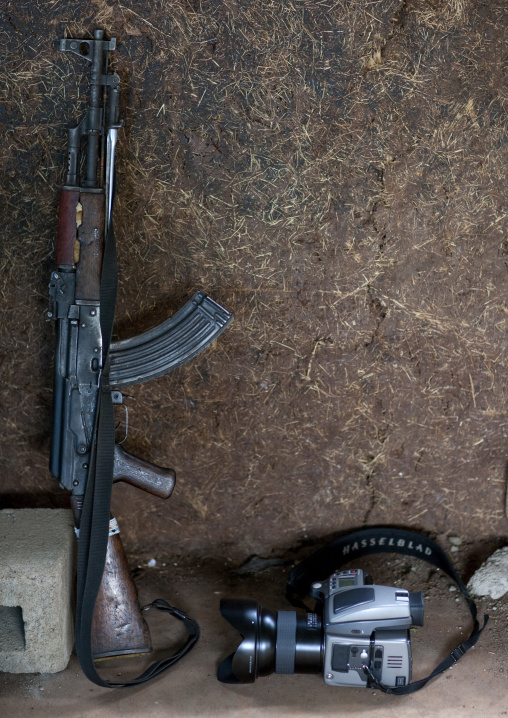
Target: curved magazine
[[169, 344]]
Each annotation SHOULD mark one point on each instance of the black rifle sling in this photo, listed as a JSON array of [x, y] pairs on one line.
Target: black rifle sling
[[94, 523], [351, 546]]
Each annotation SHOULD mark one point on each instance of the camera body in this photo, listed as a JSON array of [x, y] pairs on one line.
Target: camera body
[[366, 630], [360, 638]]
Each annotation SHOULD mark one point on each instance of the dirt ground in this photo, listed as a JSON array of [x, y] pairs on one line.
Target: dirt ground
[[334, 174], [475, 687]]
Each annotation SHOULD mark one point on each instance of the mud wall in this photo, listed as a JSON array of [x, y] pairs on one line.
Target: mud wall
[[334, 175]]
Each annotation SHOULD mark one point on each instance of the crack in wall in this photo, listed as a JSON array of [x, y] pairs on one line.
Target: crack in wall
[[375, 59], [372, 498], [379, 201], [370, 462], [379, 309]]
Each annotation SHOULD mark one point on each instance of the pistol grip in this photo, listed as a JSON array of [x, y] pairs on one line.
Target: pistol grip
[[142, 474]]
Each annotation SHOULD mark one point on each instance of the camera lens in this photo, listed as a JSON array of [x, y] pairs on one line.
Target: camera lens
[[273, 642], [416, 608]]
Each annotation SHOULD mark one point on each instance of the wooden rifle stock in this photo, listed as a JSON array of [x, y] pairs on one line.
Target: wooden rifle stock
[[118, 624]]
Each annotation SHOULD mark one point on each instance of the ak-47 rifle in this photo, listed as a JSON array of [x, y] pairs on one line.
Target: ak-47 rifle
[[90, 371]]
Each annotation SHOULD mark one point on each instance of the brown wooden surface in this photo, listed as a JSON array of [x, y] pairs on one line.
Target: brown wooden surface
[[142, 474], [67, 230], [91, 245], [118, 627]]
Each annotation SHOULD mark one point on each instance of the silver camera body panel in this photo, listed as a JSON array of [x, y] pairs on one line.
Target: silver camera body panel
[[366, 628]]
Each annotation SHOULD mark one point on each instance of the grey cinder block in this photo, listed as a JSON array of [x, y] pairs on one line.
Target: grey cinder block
[[37, 560]]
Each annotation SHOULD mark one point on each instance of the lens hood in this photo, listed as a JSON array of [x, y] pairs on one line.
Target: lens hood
[[255, 656]]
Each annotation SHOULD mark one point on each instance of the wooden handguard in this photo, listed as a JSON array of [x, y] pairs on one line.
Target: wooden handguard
[[67, 230], [80, 238], [90, 246]]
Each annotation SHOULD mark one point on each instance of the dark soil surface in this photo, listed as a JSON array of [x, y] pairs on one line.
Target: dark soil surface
[[475, 687], [334, 174]]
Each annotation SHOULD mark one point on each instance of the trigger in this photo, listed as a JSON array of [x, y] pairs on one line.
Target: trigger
[[117, 398]]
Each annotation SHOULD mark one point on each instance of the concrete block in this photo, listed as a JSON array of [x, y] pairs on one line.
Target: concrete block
[[37, 566]]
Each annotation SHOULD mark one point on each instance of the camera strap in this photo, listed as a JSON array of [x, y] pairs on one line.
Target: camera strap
[[352, 546]]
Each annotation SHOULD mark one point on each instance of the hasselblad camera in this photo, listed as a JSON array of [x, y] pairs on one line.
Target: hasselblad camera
[[357, 636]]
